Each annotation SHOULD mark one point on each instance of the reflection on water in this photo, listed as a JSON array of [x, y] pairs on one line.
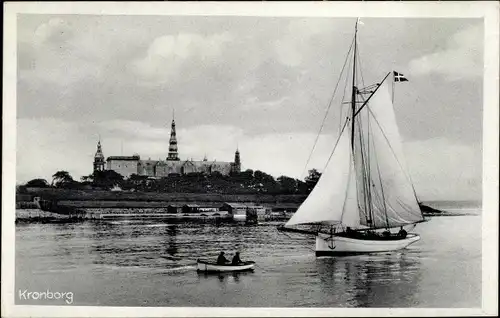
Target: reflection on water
[[153, 264], [172, 242], [235, 276], [372, 280]]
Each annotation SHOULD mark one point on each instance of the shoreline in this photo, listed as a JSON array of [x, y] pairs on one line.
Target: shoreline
[[66, 205], [40, 216]]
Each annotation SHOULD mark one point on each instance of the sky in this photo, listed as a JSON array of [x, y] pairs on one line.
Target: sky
[[260, 84]]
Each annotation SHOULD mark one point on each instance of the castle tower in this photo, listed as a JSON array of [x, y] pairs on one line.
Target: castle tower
[[172, 149], [237, 161], [99, 158]]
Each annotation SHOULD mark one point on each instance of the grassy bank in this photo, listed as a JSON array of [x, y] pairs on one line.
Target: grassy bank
[[124, 199], [71, 197]]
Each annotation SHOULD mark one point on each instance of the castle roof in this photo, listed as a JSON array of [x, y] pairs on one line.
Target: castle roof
[[186, 162], [131, 158], [149, 162], [99, 153]]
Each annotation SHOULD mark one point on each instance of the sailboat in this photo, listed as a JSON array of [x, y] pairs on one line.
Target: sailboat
[[364, 198]]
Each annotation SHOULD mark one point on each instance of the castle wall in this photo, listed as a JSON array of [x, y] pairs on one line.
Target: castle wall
[[222, 167], [189, 167], [124, 167], [164, 168], [154, 168], [147, 167], [161, 170]]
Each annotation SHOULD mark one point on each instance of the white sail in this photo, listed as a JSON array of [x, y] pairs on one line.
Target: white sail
[[384, 187], [333, 199]]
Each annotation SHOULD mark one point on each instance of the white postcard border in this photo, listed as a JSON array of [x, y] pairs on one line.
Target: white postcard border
[[464, 9]]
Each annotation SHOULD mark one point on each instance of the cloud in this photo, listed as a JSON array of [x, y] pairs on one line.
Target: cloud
[[168, 54], [130, 128], [294, 46], [56, 30], [58, 53], [288, 52], [461, 58], [254, 102]]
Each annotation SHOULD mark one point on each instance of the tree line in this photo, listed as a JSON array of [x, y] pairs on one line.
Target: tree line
[[245, 182]]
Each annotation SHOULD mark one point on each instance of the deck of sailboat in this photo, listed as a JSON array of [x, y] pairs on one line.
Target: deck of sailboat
[[373, 236], [367, 234]]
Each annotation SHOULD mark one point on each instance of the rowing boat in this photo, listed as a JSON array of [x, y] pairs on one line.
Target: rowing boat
[[206, 266]]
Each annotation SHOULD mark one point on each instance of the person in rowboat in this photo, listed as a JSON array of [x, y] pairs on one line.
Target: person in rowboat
[[236, 259], [222, 260]]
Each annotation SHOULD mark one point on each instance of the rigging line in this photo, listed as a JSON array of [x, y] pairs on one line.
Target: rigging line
[[369, 143], [365, 189], [366, 152], [386, 204], [343, 94], [393, 153], [376, 89], [406, 208], [378, 199], [414, 191], [365, 173], [328, 108], [403, 206], [409, 176], [376, 205], [397, 217], [382, 190], [351, 162], [336, 143]]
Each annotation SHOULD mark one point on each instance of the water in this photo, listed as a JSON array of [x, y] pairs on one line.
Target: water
[[135, 263]]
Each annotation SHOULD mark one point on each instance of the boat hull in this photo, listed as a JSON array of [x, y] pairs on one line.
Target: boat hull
[[342, 246], [211, 267]]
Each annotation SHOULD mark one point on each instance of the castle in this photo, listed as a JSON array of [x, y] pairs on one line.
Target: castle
[[128, 165]]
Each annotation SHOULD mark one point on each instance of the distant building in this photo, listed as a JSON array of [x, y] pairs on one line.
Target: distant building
[[244, 211], [190, 208], [174, 208], [234, 208], [99, 158], [128, 165]]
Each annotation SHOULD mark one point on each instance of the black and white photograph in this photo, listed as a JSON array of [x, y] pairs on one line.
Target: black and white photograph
[[238, 159]]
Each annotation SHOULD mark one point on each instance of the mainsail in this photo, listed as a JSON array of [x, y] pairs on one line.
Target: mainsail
[[385, 192]]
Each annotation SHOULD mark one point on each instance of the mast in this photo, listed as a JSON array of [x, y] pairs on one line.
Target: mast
[[353, 109], [353, 98]]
